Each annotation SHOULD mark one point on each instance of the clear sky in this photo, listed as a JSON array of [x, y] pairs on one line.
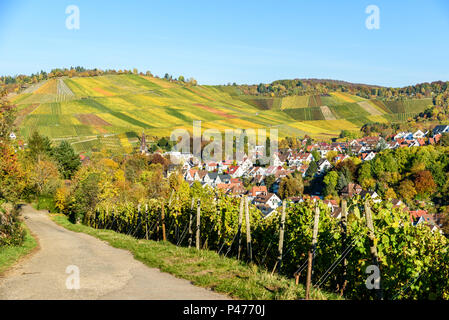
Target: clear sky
[[245, 41]]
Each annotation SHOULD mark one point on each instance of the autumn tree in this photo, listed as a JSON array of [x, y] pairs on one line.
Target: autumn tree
[[407, 190], [45, 177], [424, 183], [7, 117], [291, 187], [11, 172]]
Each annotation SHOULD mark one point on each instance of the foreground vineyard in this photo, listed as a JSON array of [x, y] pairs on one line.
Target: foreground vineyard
[[413, 261]]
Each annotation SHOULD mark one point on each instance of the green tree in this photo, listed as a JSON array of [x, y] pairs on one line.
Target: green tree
[[269, 181], [342, 181], [330, 181], [316, 155], [444, 140], [38, 146], [69, 162], [311, 170]]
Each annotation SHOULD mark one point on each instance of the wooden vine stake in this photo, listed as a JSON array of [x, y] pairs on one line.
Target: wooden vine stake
[[198, 224], [146, 221], [191, 222], [139, 220], [312, 251], [344, 224], [249, 249], [281, 236], [373, 248], [239, 231], [164, 236]]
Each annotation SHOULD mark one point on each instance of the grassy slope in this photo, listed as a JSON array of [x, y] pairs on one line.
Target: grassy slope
[[126, 105], [11, 254], [203, 268]]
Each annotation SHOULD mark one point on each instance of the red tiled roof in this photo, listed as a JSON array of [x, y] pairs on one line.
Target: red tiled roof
[[256, 189]]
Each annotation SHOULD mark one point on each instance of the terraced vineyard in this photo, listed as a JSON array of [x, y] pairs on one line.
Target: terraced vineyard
[[110, 112]]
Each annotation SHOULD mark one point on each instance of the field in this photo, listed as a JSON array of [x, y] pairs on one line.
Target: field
[[110, 112]]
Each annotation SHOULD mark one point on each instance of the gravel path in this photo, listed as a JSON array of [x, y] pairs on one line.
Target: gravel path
[[104, 272]]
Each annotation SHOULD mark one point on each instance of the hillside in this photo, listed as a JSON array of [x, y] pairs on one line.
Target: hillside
[[112, 110]]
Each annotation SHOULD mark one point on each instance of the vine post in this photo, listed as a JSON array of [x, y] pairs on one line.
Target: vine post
[[281, 236], [191, 222], [239, 231], [312, 250], [164, 236], [198, 224], [146, 221], [344, 224], [139, 220], [373, 248], [249, 249]]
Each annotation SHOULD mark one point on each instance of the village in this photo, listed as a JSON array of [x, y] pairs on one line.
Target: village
[[246, 178]]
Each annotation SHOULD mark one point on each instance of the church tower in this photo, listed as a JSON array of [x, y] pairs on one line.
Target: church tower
[[143, 144]]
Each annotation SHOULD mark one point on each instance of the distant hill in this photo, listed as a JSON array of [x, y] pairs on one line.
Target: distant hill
[[111, 111]]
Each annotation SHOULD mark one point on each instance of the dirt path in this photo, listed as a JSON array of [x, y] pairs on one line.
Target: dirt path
[[104, 272]]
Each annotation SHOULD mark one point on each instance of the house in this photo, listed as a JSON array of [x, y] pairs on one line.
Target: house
[[272, 170], [232, 188], [368, 156], [413, 143], [267, 203], [421, 217], [397, 203], [258, 179], [200, 175], [275, 160], [323, 166], [403, 135], [235, 171], [225, 164], [392, 144], [212, 179], [440, 129], [190, 175], [255, 171], [373, 194], [331, 204], [258, 190], [336, 213], [211, 166], [418, 134], [351, 190], [246, 164], [340, 157], [225, 178]]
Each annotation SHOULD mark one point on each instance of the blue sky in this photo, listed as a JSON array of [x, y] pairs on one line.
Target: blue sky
[[217, 42]]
